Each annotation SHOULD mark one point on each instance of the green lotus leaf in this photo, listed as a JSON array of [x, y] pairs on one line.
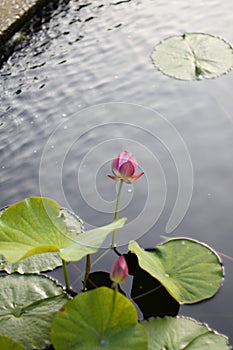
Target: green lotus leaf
[[43, 261], [7, 343], [28, 304], [32, 264], [182, 333], [193, 56], [189, 270], [101, 318], [37, 225]]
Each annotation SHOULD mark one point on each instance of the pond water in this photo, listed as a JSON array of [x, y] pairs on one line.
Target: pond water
[[83, 88]]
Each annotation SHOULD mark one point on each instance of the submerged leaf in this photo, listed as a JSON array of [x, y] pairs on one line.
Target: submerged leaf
[[148, 293], [189, 270], [193, 56], [27, 306], [37, 225], [182, 333], [101, 318]]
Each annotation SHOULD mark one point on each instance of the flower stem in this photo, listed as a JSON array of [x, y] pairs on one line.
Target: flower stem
[[88, 269], [116, 212], [65, 271], [118, 200]]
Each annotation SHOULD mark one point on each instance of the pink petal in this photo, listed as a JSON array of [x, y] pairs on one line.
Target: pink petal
[[115, 164], [119, 270], [124, 166], [116, 172], [127, 169], [124, 157], [132, 159], [116, 178], [136, 176]]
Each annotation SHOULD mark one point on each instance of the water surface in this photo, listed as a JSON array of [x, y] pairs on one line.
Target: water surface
[[83, 88]]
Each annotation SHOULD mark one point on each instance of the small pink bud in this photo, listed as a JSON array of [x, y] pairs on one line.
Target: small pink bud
[[124, 167], [119, 270]]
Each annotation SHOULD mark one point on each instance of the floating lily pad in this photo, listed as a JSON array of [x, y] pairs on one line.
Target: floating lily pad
[[7, 343], [37, 225], [182, 333], [193, 56], [189, 270], [27, 306], [44, 261], [98, 319]]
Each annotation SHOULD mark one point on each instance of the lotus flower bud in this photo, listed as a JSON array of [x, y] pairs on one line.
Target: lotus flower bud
[[124, 167], [119, 270]]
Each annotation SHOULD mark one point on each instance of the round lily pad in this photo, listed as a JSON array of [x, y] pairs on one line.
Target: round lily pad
[[100, 318], [189, 270], [44, 261], [28, 304], [170, 333], [38, 225], [193, 56]]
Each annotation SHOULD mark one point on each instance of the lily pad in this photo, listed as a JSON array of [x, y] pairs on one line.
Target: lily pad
[[37, 225], [27, 306], [100, 318], [193, 56], [45, 261], [182, 333], [7, 343], [189, 270]]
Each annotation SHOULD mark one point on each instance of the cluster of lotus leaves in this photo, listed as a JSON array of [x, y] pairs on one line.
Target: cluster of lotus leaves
[[36, 234]]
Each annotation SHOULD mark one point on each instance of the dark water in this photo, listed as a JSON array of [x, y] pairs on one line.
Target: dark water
[[83, 88]]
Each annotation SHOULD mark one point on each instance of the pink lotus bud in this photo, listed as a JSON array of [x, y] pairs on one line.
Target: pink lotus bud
[[119, 270], [124, 167]]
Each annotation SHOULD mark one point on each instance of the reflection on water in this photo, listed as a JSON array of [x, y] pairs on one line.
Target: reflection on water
[[55, 141]]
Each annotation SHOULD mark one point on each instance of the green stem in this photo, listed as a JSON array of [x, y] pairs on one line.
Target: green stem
[[66, 277], [116, 290], [118, 200], [88, 269], [116, 212]]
